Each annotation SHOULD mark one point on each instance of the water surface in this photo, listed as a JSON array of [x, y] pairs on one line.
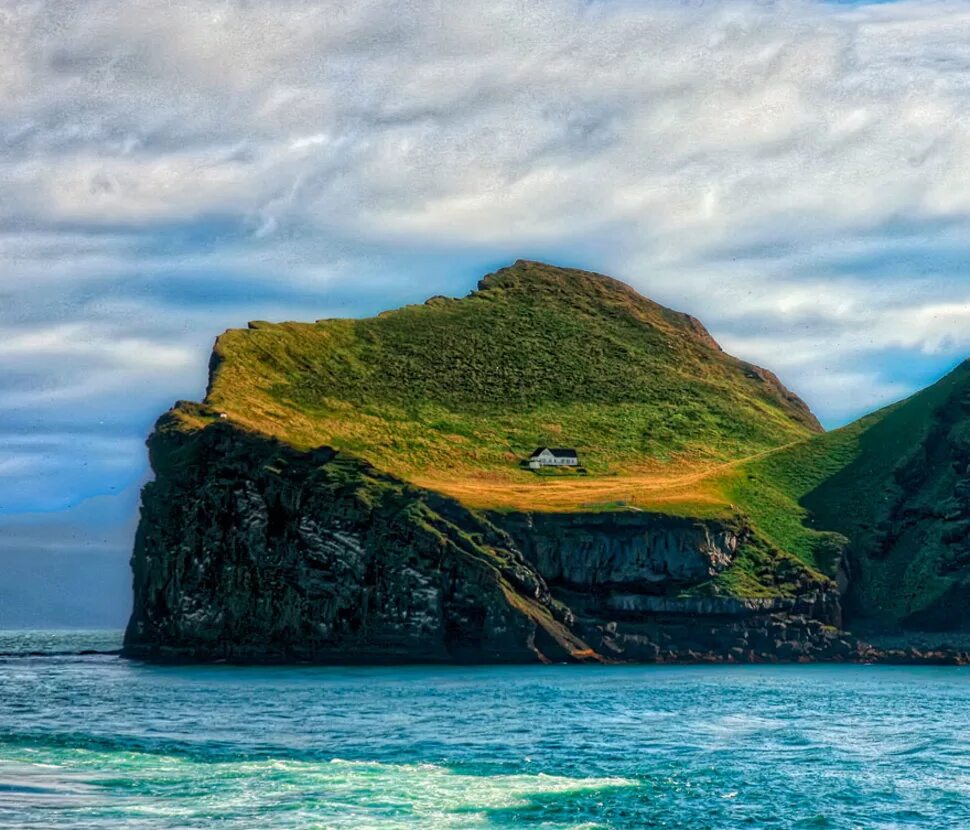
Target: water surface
[[100, 742]]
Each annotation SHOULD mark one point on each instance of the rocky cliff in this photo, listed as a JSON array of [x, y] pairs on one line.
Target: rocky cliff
[[644, 586], [249, 550]]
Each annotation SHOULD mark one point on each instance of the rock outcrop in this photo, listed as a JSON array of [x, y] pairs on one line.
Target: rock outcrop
[[635, 583], [632, 549]]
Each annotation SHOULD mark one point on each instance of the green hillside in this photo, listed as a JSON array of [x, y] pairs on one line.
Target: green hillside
[[451, 394], [894, 486]]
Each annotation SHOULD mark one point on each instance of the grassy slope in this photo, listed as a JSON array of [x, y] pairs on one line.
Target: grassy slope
[[452, 393], [809, 498], [897, 503]]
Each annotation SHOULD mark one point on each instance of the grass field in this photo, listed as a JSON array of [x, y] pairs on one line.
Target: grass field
[[452, 394]]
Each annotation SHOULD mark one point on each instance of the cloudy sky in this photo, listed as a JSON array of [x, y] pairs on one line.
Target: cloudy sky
[[793, 173]]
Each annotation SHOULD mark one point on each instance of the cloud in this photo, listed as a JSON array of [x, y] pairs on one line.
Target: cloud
[[32, 467], [489, 125], [790, 172], [79, 340]]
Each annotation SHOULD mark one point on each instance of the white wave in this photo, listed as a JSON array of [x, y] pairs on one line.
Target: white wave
[[169, 792]]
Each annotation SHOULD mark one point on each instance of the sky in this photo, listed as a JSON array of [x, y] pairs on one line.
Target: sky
[[795, 174]]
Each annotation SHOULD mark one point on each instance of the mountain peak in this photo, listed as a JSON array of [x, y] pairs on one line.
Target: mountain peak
[[592, 293], [541, 276]]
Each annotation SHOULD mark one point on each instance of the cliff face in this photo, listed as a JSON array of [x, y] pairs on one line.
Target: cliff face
[[249, 550], [632, 550], [638, 586]]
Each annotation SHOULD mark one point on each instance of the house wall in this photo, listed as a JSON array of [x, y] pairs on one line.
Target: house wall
[[553, 461]]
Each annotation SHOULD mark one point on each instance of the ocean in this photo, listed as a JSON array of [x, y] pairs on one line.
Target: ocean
[[95, 741]]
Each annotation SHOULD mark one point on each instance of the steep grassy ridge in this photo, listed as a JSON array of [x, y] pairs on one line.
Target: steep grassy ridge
[[452, 393], [895, 486]]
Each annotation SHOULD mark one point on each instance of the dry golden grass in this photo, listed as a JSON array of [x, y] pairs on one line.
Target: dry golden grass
[[689, 492], [682, 485], [681, 488]]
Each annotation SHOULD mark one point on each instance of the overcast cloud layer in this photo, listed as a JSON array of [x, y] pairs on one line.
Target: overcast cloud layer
[[795, 174]]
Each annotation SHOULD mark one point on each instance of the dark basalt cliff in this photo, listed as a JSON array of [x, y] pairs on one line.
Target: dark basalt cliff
[[249, 550], [635, 583]]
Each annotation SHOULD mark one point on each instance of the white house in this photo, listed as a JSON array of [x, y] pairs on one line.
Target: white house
[[553, 457]]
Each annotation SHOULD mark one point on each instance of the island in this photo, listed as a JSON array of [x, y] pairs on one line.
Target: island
[[362, 491]]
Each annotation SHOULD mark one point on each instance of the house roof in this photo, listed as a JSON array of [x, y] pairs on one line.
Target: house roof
[[559, 452]]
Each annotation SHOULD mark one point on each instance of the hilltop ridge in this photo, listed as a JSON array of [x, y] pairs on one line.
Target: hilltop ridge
[[451, 393], [537, 278]]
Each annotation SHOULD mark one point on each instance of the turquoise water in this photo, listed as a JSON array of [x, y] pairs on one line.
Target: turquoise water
[[98, 742]]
